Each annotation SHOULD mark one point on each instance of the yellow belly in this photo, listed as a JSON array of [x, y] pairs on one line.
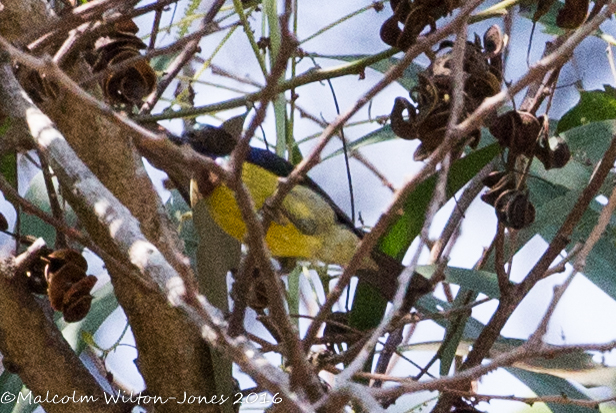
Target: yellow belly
[[283, 240]]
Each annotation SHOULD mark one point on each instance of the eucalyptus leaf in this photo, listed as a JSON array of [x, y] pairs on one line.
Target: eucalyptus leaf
[[594, 105], [481, 281], [546, 385], [455, 329], [548, 20], [8, 168], [403, 231], [533, 373], [25, 407], [37, 195], [382, 134], [9, 383]]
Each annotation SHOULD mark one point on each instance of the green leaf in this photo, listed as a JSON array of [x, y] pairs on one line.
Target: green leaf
[[380, 135], [181, 216], [25, 407], [455, 329], [588, 143], [8, 168], [217, 254], [368, 307], [4, 126], [601, 261], [408, 80], [554, 197], [540, 383], [429, 304], [9, 383], [293, 292], [32, 225], [577, 366], [403, 231], [594, 105], [547, 385], [481, 281], [548, 20], [160, 63]]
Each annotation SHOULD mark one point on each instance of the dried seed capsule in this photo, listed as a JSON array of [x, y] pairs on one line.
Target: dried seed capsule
[[128, 86], [68, 286], [517, 131], [514, 209], [390, 31], [493, 41], [553, 158], [403, 129], [506, 183], [4, 225], [493, 178], [573, 14]]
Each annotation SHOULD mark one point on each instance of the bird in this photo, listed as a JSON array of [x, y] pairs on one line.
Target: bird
[[308, 225]]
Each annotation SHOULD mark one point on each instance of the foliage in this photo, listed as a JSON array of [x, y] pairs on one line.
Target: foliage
[[460, 122]]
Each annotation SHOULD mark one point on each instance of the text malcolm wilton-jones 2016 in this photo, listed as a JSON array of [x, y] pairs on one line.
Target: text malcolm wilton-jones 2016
[[138, 399]]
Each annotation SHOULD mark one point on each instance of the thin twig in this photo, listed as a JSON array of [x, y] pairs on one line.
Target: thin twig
[[561, 266], [369, 241], [559, 291], [155, 27], [183, 58], [591, 404], [604, 219], [54, 203], [523, 352], [470, 192], [510, 302], [499, 260]]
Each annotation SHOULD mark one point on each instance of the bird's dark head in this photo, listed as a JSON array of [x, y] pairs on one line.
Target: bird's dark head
[[208, 140]]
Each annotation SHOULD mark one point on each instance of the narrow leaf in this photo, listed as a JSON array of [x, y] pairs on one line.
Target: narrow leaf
[[593, 106], [401, 234]]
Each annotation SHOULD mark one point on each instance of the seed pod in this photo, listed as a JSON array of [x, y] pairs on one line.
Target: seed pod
[[514, 209], [543, 6], [128, 86], [561, 154], [60, 282], [402, 128], [336, 329], [415, 15], [573, 14], [493, 41], [60, 257], [68, 285], [506, 183], [210, 140], [4, 225], [428, 118], [553, 158], [257, 298], [390, 31], [37, 283], [493, 178], [38, 87], [77, 299], [517, 131]]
